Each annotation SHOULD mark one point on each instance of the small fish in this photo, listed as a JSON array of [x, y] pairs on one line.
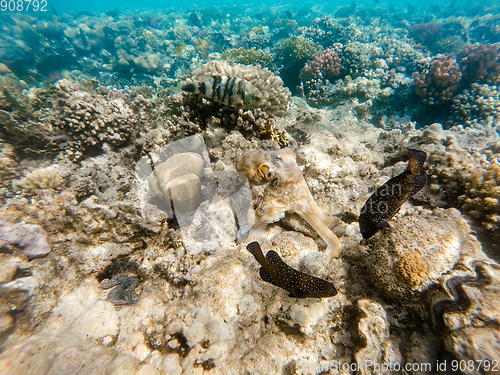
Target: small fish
[[83, 37], [230, 91], [195, 19], [179, 49], [278, 273], [386, 201]]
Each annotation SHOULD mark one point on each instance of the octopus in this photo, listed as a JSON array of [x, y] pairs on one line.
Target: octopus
[[286, 191], [122, 285], [280, 274], [386, 201]]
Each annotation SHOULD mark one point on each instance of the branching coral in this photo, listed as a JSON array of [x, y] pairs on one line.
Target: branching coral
[[86, 120], [244, 56], [426, 33], [323, 65], [439, 80], [46, 178], [478, 102], [480, 62]]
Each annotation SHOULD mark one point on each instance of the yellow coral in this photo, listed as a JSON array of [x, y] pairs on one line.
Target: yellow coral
[[413, 269]]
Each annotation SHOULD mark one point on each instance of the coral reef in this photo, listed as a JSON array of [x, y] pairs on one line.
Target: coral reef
[[439, 80], [426, 33], [480, 63], [89, 102], [324, 64], [479, 102], [251, 56]]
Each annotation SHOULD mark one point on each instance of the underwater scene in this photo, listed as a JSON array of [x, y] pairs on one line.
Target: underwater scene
[[249, 188]]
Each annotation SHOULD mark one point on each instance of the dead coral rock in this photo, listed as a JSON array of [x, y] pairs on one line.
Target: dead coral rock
[[411, 256], [30, 239]]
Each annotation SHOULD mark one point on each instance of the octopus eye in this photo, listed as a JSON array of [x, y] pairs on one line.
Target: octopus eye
[[266, 172], [275, 182]]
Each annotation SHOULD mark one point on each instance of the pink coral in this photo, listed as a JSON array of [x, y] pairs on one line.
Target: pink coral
[[480, 62], [324, 64], [426, 33], [438, 81]]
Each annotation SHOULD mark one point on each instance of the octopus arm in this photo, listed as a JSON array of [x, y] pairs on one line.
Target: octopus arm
[[333, 244]]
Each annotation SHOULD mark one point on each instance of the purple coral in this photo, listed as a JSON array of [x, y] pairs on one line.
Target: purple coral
[[480, 62], [324, 64], [437, 82], [426, 33]]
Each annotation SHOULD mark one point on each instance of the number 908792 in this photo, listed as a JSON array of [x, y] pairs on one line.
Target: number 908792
[[23, 5]]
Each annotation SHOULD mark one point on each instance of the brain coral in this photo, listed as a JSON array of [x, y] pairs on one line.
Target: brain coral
[[438, 81], [269, 84], [412, 255]]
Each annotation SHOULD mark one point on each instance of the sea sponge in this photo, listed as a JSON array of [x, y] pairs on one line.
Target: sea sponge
[[438, 81], [44, 178], [270, 85]]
